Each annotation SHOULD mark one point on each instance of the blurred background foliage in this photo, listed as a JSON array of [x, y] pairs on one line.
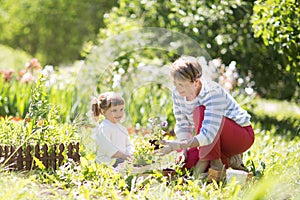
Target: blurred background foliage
[[261, 36], [277, 23], [51, 30], [224, 29]]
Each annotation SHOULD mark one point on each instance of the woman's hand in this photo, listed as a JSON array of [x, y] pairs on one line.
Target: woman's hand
[[182, 157], [172, 145]]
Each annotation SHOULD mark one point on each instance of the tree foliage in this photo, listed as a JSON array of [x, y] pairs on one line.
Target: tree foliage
[[277, 23], [221, 27], [52, 30]]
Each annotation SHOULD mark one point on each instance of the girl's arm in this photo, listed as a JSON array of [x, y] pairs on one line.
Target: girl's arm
[[121, 155]]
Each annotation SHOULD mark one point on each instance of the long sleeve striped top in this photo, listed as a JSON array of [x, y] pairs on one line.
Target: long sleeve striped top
[[218, 103]]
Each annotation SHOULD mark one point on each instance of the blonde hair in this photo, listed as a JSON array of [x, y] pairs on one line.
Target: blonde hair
[[105, 101], [186, 68]]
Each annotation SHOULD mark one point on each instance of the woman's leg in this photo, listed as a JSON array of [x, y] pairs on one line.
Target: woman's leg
[[231, 140], [235, 140]]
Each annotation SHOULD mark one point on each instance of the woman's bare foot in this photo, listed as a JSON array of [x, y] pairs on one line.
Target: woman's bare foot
[[217, 165], [200, 169], [236, 162], [216, 171]]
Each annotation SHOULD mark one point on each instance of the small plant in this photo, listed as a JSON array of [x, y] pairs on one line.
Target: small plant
[[146, 146], [158, 132], [143, 154]]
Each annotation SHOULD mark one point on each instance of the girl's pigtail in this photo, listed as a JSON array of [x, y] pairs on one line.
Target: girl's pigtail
[[95, 107], [103, 103]]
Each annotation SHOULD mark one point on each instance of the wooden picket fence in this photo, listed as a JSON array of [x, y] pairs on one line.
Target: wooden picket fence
[[27, 158]]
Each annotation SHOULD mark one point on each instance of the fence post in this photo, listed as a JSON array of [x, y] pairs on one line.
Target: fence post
[[37, 153], [53, 157], [76, 153], [1, 155], [73, 152], [20, 163], [60, 156], [28, 158], [12, 156], [45, 157], [6, 154]]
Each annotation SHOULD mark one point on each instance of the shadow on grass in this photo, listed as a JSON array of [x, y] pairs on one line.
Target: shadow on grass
[[288, 127]]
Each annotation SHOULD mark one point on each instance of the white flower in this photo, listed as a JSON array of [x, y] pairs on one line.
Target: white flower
[[249, 90], [121, 71], [137, 126], [240, 81], [232, 65], [48, 70], [116, 81]]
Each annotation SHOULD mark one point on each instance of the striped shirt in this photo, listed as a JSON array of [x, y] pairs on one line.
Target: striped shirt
[[218, 103]]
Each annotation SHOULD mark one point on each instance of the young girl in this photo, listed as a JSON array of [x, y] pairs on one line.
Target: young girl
[[112, 140], [222, 129]]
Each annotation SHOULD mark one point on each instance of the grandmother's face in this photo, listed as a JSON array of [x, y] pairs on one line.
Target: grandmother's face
[[184, 87]]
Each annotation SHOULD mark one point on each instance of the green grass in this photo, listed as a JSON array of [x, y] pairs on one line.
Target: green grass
[[279, 117], [273, 158], [276, 161], [276, 108]]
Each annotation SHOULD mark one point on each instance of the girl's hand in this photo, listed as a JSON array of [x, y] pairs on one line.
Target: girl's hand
[[122, 155], [129, 158]]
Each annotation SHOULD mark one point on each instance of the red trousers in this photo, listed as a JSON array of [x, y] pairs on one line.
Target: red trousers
[[232, 139]]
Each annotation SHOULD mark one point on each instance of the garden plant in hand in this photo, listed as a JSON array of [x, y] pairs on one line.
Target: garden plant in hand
[[143, 154], [145, 147], [158, 132]]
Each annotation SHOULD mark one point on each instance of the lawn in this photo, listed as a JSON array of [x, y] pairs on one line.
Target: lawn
[[47, 117], [274, 160]]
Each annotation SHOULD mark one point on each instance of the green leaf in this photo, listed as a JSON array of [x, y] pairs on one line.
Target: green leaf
[[39, 163]]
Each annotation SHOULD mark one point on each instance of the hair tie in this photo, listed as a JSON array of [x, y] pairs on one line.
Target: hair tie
[[94, 100]]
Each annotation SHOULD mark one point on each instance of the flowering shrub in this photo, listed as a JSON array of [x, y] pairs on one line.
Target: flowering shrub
[[228, 76], [16, 89]]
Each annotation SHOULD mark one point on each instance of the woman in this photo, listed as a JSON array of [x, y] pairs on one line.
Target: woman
[[212, 129]]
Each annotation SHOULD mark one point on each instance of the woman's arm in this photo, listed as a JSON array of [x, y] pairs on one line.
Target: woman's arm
[[183, 128], [175, 145], [215, 103]]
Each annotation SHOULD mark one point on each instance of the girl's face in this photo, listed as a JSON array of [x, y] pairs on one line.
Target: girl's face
[[115, 113], [188, 89]]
